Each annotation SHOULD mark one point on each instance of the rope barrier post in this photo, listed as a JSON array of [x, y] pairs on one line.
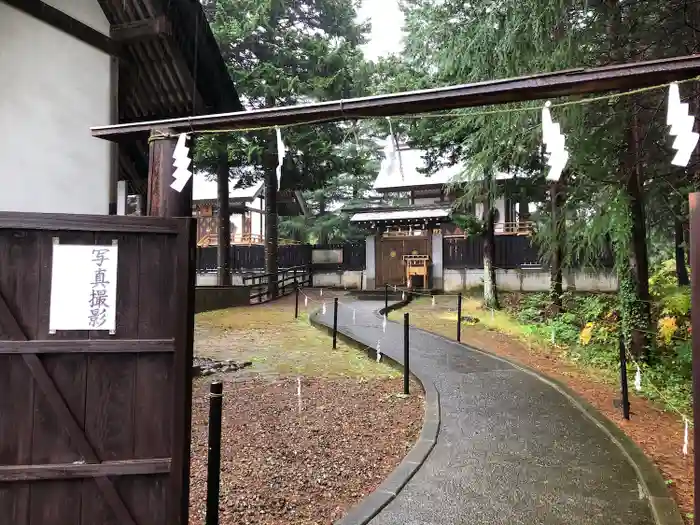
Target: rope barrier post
[[216, 397], [406, 366], [386, 299], [623, 380], [296, 299], [335, 322], [459, 317]]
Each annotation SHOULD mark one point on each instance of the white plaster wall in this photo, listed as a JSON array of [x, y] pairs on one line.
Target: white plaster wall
[[53, 88], [257, 224], [350, 279], [528, 281], [237, 224], [500, 205], [426, 200], [370, 261], [210, 279]]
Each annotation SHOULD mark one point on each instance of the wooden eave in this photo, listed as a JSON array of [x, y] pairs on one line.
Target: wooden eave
[[170, 67]]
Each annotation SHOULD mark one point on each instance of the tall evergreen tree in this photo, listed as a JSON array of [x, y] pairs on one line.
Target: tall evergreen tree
[[281, 53]]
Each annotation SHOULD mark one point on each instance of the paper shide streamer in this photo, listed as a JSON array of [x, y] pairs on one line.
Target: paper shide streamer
[[638, 380], [181, 163], [555, 144], [281, 152], [681, 122]]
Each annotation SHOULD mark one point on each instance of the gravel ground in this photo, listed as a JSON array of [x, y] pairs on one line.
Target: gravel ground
[[282, 466]]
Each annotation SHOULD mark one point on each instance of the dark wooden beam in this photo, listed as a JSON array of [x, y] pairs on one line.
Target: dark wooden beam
[[66, 23], [142, 30], [542, 86]]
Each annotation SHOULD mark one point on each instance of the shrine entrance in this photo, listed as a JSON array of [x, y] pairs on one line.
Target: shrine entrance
[[96, 332], [390, 265]]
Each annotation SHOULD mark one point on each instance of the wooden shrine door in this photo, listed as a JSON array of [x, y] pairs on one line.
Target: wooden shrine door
[[95, 426], [389, 265]]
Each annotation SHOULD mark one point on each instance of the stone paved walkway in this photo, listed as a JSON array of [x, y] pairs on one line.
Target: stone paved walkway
[[511, 449]]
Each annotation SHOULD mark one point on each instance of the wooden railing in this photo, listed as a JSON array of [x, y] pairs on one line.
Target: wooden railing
[[286, 280], [503, 228], [513, 228], [212, 239]]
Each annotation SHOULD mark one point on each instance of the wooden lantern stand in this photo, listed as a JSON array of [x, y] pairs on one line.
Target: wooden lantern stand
[[416, 265]]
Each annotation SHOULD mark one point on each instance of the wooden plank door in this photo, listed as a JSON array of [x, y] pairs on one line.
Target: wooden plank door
[[390, 267], [94, 428]]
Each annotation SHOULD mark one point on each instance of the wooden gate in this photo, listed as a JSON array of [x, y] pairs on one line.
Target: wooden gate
[[390, 267], [94, 427]]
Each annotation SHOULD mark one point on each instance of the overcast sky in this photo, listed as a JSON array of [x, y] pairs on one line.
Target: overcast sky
[[387, 22]]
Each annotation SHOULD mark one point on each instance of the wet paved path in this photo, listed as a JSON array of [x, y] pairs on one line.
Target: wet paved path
[[511, 449]]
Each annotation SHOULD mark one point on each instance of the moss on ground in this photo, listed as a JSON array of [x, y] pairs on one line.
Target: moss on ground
[[276, 343]]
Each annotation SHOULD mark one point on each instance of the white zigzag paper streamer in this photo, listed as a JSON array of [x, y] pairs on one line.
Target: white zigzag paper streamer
[[182, 160], [353, 316], [681, 122], [638, 380], [323, 309], [685, 437], [555, 144], [433, 301], [306, 300], [281, 152], [384, 324], [379, 352]]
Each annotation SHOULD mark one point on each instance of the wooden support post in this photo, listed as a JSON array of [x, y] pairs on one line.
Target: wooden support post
[[223, 253], [694, 199], [163, 201], [556, 285]]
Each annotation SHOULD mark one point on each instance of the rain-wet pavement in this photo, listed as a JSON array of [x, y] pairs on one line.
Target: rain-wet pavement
[[511, 449]]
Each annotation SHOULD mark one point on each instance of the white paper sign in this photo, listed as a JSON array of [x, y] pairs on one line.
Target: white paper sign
[[83, 287]]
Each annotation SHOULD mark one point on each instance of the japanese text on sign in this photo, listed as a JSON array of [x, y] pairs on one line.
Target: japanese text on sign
[[83, 287]]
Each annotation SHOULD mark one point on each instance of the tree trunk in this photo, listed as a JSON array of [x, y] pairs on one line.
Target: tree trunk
[[271, 223], [223, 253], [489, 254], [681, 269], [638, 256], [556, 289]]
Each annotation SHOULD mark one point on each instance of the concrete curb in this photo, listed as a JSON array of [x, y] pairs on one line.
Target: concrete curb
[[372, 504], [663, 506]]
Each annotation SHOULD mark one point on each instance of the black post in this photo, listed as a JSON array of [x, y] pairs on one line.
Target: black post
[[296, 299], [386, 299], [335, 322], [214, 457], [406, 366], [459, 317], [623, 379]]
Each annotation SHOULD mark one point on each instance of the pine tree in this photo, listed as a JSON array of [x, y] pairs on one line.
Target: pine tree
[[282, 53]]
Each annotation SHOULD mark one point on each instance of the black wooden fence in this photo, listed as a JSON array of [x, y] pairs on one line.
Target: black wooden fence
[[511, 251], [252, 258]]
